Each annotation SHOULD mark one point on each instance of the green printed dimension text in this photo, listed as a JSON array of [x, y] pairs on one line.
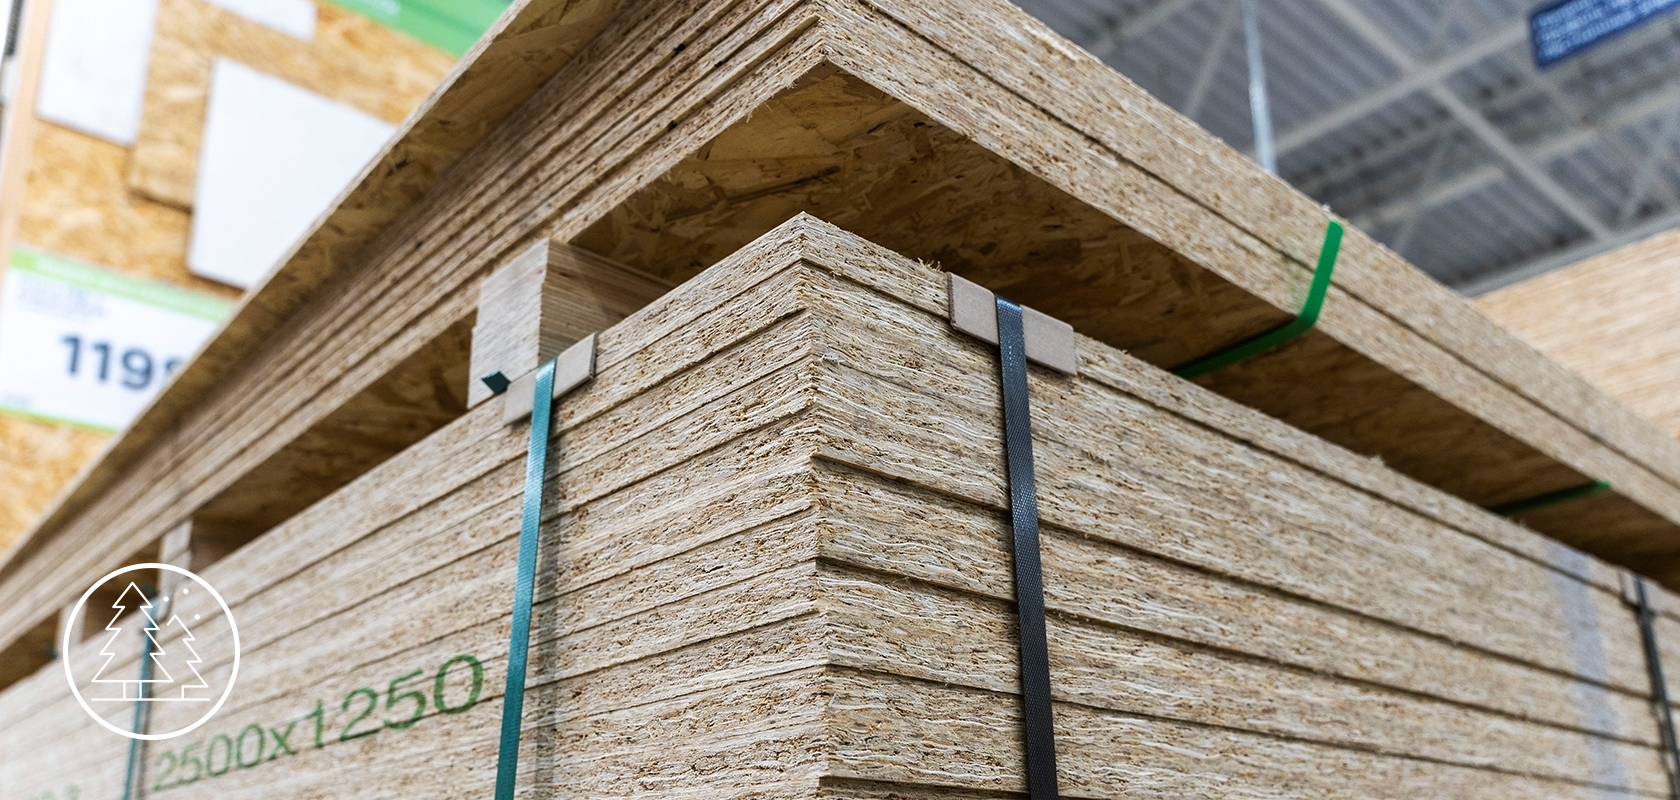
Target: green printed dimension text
[[406, 699]]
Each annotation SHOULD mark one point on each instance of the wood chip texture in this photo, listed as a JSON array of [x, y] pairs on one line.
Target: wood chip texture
[[775, 563], [1614, 319]]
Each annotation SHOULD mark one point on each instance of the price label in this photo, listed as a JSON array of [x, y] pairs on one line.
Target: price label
[[91, 347]]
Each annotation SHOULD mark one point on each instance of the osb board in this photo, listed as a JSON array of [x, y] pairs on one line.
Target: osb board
[[352, 60], [444, 561], [525, 47], [1024, 56], [322, 359], [413, 251], [675, 631], [842, 150], [839, 148], [37, 459], [78, 205], [1614, 319]]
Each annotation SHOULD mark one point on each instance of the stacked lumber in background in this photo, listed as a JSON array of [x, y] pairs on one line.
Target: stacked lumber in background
[[1614, 319], [774, 546], [129, 208], [777, 565]]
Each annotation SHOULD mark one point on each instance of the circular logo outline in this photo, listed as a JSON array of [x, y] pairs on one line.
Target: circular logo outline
[[77, 692]]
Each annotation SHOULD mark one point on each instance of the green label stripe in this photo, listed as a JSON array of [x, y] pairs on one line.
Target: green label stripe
[[103, 281], [52, 420], [450, 25]]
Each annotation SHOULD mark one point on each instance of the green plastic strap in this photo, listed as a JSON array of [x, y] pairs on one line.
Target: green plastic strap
[[1550, 498], [1301, 324], [524, 587]]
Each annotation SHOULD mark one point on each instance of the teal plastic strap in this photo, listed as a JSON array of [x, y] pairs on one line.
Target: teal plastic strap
[[1550, 498], [136, 755], [524, 587], [1301, 324], [132, 777]]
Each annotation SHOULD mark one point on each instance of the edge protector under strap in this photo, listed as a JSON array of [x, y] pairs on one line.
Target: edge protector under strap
[[1635, 594], [572, 368], [1049, 341], [1302, 322], [1038, 713], [524, 586]]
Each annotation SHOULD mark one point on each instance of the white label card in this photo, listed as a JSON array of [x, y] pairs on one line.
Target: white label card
[[274, 157], [292, 17], [91, 347], [93, 77]]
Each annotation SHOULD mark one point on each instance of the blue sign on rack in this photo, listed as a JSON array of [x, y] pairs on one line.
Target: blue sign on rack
[[1564, 29]]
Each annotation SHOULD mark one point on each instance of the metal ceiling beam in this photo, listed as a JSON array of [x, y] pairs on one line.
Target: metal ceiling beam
[[1259, 106], [1544, 84], [1438, 29], [1437, 158], [1626, 113], [1524, 270], [1421, 76], [1658, 153], [1120, 30], [1471, 119], [1211, 60], [1353, 167]]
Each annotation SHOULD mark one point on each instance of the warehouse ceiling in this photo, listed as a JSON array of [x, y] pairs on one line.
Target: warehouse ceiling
[[1425, 122]]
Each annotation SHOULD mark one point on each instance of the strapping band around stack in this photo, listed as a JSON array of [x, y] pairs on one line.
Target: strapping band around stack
[[524, 587], [1039, 717], [1659, 687], [136, 760]]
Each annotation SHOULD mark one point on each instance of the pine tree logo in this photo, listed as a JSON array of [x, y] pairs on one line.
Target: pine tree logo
[[133, 687], [193, 688], [179, 647]]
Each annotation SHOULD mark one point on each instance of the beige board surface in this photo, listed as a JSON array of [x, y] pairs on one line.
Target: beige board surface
[[752, 586], [1350, 536], [1614, 319], [79, 206]]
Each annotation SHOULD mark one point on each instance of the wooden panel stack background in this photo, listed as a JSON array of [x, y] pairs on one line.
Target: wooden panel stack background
[[130, 208], [1614, 318], [775, 562]]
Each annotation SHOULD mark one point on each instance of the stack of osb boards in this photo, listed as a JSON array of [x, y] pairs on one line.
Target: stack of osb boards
[[1614, 318], [775, 556], [776, 565]]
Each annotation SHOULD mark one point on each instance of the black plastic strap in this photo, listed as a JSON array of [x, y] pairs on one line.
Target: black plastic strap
[[1659, 687], [1029, 575]]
